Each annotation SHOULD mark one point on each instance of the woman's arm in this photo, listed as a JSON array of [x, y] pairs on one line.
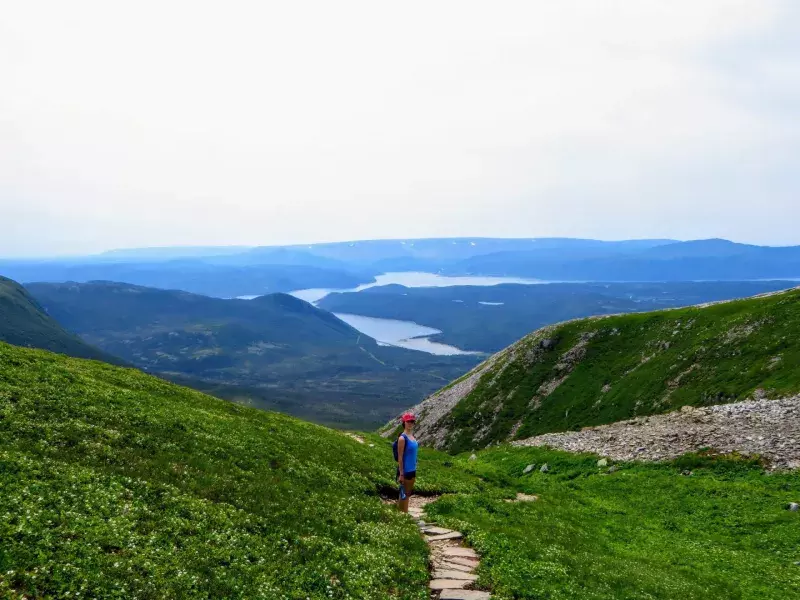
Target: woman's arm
[[401, 447]]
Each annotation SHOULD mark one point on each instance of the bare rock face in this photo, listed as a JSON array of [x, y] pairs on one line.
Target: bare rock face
[[768, 428]]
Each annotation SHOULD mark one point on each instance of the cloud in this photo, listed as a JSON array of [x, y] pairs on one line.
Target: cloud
[[191, 123]]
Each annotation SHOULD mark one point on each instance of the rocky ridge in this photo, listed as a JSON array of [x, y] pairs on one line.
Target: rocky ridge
[[767, 428]]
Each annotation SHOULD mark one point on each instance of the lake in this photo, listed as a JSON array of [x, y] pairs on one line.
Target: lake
[[404, 334], [414, 279]]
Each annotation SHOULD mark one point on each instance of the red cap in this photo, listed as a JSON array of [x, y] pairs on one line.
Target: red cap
[[408, 417]]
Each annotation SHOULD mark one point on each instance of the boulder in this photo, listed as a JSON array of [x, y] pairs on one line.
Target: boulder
[[603, 462], [473, 457], [793, 506], [528, 469], [545, 468], [547, 344]]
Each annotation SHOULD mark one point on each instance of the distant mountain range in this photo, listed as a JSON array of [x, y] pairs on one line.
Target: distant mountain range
[[274, 352], [239, 271], [709, 260], [204, 277]]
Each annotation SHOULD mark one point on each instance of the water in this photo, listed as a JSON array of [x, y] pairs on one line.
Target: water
[[414, 279], [405, 334]]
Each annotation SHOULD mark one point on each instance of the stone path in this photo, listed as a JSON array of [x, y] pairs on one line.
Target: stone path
[[453, 563]]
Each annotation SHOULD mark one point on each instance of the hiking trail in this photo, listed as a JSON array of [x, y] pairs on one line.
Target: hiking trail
[[453, 563]]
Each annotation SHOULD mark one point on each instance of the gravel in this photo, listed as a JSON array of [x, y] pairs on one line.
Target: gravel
[[769, 428]]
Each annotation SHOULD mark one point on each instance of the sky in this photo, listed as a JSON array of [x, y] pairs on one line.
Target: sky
[[254, 123]]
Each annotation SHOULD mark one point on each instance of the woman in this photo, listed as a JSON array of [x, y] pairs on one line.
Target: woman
[[406, 460]]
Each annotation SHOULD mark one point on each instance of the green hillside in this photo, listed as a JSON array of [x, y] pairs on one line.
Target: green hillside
[[274, 352], [601, 370], [23, 322], [115, 484]]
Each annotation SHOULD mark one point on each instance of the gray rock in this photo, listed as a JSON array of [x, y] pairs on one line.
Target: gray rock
[[793, 506], [545, 468], [603, 462], [547, 344], [473, 457], [767, 428], [528, 469], [613, 469]]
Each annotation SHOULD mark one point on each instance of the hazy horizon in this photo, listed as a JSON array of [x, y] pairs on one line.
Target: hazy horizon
[[244, 248], [172, 124]]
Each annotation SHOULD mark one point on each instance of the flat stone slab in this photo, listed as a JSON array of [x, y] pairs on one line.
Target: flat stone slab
[[447, 565], [463, 561], [448, 584], [458, 551], [442, 574], [453, 535], [464, 595], [430, 530]]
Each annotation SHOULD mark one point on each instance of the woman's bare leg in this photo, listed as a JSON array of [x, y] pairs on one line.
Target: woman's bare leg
[[409, 487]]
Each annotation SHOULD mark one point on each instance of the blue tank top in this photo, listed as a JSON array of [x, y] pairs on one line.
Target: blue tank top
[[410, 455]]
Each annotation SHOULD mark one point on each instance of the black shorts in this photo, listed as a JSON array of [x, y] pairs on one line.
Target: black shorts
[[409, 475]]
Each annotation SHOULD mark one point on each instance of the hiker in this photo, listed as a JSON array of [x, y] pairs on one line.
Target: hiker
[[406, 461]]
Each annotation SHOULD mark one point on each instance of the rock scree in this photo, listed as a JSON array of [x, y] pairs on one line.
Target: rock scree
[[767, 428]]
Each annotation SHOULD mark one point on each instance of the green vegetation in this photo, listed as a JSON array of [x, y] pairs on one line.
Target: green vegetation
[[489, 318], [273, 352], [596, 371], [24, 323], [115, 484], [642, 532]]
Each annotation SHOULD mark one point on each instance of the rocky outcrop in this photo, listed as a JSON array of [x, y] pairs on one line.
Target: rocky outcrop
[[767, 428]]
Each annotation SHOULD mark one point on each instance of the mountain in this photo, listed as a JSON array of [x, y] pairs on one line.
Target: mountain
[[190, 275], [489, 318], [708, 260], [601, 370], [274, 351], [429, 254], [446, 250], [23, 322], [168, 253]]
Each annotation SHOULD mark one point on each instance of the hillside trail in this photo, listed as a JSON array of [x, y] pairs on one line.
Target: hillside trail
[[453, 563]]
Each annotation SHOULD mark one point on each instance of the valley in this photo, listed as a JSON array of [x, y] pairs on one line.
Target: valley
[[274, 351]]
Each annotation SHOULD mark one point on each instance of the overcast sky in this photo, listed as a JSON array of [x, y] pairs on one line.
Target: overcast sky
[[166, 123]]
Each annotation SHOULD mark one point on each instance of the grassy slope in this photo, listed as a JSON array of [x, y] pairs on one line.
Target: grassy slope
[[643, 532], [24, 323], [117, 484], [272, 352], [650, 363]]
